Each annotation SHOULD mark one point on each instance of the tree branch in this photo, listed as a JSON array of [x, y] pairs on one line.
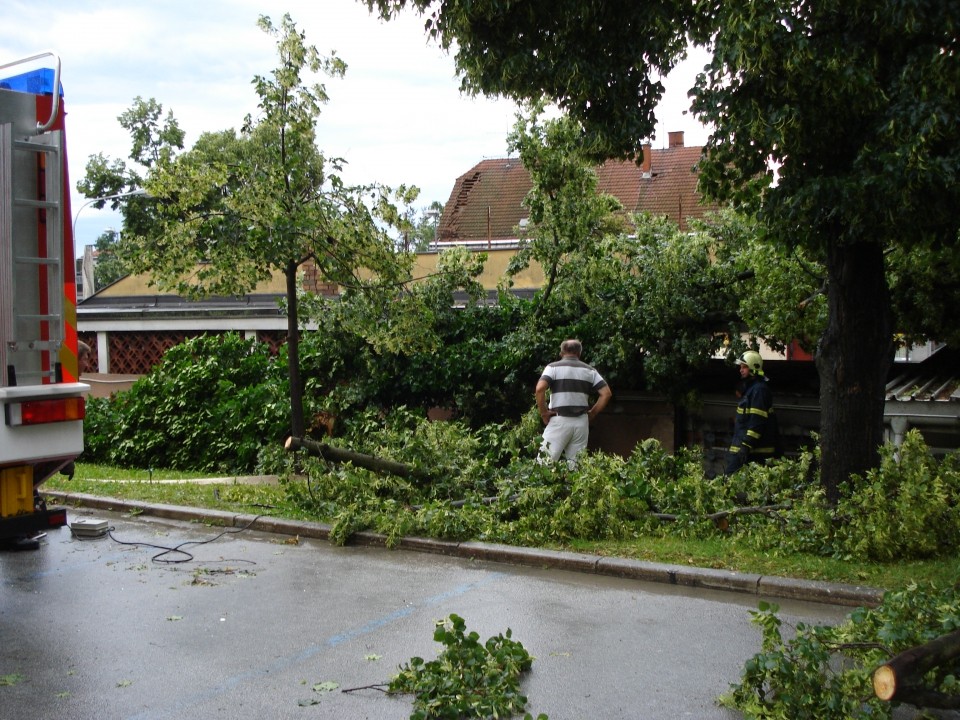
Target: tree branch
[[382, 687]]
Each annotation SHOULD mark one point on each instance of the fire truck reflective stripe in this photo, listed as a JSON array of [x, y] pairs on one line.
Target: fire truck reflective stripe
[[39, 412], [68, 350]]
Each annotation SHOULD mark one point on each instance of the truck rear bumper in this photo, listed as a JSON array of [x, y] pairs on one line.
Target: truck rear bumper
[[29, 524]]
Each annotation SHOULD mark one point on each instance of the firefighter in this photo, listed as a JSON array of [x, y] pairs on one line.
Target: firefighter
[[755, 431]]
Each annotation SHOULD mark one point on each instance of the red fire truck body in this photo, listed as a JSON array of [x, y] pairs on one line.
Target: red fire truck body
[[42, 399]]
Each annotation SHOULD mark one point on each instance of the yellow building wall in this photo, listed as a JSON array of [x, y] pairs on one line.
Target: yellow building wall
[[139, 286], [426, 264], [493, 270]]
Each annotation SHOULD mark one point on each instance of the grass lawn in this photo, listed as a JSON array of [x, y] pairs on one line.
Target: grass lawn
[[720, 553]]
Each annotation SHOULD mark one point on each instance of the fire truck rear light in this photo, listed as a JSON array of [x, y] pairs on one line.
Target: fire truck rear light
[[39, 412], [57, 517]]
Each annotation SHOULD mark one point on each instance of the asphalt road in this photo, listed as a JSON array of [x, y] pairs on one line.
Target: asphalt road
[[249, 623]]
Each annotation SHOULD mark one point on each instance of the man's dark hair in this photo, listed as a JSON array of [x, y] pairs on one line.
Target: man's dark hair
[[571, 347]]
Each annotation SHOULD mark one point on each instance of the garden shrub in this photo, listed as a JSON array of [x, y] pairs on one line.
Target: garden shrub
[[211, 404], [99, 430]]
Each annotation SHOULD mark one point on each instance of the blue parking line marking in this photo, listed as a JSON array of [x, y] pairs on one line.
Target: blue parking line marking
[[331, 642]]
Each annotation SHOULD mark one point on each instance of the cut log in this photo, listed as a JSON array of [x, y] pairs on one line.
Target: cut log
[[899, 679], [758, 510], [724, 514], [369, 462]]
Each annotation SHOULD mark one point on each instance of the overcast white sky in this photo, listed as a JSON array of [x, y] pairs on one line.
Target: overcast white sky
[[397, 116]]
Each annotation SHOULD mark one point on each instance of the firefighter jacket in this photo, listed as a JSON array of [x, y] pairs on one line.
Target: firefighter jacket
[[755, 431]]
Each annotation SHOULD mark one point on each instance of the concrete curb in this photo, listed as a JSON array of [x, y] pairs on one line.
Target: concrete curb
[[762, 586]]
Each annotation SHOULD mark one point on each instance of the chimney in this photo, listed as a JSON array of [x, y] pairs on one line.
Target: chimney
[[645, 167], [676, 138]]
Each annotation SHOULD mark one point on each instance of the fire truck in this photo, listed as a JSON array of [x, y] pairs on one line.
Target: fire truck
[[41, 431]]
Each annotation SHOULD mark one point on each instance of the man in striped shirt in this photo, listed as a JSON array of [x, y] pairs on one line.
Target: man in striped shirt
[[571, 382]]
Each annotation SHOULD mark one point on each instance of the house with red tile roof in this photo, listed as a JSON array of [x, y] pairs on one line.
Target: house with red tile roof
[[486, 204]]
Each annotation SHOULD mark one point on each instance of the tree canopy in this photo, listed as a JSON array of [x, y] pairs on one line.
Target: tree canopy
[[601, 62], [835, 123], [238, 207], [152, 141], [568, 216]]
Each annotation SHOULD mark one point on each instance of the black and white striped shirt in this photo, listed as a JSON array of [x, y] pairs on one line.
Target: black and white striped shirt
[[571, 381]]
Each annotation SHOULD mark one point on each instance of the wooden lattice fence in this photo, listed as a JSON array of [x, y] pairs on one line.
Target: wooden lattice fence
[[136, 353]]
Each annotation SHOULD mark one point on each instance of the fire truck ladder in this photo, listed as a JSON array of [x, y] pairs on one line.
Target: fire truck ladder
[[31, 266]]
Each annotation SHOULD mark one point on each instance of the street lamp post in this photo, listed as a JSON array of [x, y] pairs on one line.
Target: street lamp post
[[139, 192], [88, 271]]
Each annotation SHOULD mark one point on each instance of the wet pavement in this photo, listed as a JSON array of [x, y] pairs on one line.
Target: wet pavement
[[249, 622]]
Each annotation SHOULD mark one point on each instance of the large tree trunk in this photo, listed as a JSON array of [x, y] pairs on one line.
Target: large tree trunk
[[297, 423], [853, 359]]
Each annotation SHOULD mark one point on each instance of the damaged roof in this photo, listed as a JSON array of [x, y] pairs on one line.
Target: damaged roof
[[486, 203]]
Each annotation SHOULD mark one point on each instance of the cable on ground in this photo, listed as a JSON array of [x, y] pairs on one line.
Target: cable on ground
[[180, 555]]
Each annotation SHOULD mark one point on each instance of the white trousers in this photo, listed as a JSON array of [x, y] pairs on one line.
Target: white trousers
[[565, 436]]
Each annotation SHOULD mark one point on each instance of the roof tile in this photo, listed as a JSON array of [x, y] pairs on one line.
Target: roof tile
[[486, 203]]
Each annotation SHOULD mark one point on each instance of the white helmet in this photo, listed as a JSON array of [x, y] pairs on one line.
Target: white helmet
[[752, 359]]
